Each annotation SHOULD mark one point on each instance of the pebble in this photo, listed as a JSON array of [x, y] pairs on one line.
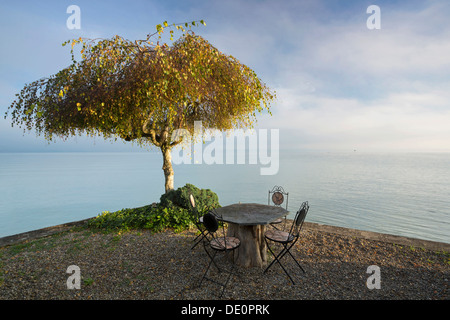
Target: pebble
[[161, 266]]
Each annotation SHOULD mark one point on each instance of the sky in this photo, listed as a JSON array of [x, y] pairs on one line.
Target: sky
[[341, 86]]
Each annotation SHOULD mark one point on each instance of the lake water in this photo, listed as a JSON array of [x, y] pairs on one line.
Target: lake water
[[401, 194]]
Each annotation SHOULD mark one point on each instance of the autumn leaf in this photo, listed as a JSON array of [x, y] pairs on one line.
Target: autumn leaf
[[142, 91]]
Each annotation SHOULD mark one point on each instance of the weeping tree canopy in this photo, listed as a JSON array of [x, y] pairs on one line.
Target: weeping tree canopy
[[142, 91]]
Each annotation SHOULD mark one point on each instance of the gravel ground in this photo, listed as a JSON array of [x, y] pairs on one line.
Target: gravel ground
[[141, 265]]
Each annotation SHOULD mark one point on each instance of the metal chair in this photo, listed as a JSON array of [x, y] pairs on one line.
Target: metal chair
[[219, 243], [287, 239], [276, 197], [198, 221]]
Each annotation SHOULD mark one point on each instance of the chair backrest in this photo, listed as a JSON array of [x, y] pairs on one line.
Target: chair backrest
[[277, 196], [210, 222], [192, 200], [299, 219], [196, 216], [194, 208]]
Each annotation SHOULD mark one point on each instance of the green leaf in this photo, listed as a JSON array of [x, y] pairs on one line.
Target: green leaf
[[122, 88]]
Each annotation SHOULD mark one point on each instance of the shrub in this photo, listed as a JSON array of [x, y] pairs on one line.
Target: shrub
[[175, 218], [174, 212], [204, 198], [124, 219]]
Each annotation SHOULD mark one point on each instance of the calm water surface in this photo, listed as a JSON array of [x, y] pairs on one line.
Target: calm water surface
[[402, 194]]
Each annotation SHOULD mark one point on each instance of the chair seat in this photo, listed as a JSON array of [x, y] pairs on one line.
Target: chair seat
[[279, 236], [277, 221], [227, 243]]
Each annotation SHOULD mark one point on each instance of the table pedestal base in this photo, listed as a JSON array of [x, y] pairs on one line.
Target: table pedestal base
[[253, 249]]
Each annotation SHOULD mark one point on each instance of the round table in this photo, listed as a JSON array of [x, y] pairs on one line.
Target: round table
[[247, 221]]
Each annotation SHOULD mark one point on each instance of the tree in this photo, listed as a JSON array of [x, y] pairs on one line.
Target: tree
[[142, 91]]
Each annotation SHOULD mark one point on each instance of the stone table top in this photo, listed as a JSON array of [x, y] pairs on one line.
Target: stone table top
[[251, 213]]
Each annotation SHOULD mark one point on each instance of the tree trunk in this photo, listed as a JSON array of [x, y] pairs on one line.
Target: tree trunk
[[167, 168], [253, 249]]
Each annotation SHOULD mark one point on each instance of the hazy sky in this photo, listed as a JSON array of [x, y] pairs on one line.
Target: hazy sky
[[340, 85]]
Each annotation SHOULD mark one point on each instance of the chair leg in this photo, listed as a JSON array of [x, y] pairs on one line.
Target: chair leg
[[209, 266], [282, 223], [280, 255], [277, 259], [202, 235], [288, 250], [230, 273], [273, 225], [273, 261], [228, 279], [298, 264], [211, 258]]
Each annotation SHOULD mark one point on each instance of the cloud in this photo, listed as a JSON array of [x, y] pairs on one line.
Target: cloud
[[345, 53], [401, 121], [339, 84], [342, 86]]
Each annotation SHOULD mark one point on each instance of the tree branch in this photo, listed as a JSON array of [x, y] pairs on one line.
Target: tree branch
[[174, 143]]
